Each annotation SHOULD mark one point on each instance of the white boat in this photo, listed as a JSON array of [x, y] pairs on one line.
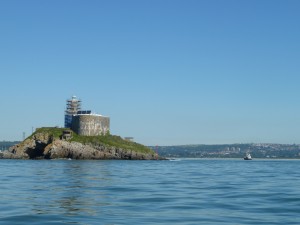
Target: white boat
[[248, 157], [174, 159]]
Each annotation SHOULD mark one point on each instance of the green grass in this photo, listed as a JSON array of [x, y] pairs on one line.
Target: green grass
[[54, 131], [108, 140]]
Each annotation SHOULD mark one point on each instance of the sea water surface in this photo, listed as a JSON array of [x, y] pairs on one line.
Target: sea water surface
[[202, 191]]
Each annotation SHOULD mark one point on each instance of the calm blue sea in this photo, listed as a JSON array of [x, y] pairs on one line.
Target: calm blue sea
[[201, 191]]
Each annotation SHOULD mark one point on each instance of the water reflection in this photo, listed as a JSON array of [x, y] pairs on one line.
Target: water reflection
[[84, 191], [70, 187]]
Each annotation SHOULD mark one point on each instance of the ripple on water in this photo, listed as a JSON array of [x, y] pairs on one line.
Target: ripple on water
[[149, 192]]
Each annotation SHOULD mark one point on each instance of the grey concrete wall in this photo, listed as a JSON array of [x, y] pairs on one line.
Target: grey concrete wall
[[90, 125]]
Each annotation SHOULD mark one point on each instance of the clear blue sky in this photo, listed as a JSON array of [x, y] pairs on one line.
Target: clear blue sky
[[167, 72]]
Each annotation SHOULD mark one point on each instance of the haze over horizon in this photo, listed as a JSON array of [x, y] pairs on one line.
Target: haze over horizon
[[166, 72]]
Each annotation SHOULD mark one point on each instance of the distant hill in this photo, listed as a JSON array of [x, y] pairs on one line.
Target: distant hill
[[4, 145], [230, 151]]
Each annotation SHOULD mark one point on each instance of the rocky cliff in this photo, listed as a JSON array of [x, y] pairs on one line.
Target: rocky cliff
[[45, 145]]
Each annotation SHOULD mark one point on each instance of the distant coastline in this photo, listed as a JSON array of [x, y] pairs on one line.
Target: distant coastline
[[262, 150], [282, 151]]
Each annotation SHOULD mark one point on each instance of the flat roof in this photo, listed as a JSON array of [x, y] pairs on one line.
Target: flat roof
[[92, 114]]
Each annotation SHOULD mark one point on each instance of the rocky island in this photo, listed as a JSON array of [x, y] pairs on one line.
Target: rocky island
[[62, 143]]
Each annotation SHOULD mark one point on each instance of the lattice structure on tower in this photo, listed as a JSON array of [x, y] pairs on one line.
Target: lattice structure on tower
[[73, 106]]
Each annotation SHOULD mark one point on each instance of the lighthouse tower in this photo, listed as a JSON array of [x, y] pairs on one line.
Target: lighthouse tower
[[73, 106]]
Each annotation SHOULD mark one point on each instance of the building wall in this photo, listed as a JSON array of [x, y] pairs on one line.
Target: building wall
[[90, 125]]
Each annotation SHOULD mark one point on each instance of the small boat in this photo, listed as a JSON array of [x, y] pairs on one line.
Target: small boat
[[174, 159], [248, 157]]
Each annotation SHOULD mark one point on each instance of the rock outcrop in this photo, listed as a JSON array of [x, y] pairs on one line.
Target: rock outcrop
[[44, 146]]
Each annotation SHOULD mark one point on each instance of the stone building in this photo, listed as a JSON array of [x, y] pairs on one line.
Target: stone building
[[90, 124], [84, 122], [67, 135]]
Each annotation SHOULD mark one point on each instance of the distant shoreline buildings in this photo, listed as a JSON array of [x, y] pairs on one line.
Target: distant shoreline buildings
[[84, 122]]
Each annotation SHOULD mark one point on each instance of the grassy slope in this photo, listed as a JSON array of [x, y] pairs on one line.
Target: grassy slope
[[109, 140]]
